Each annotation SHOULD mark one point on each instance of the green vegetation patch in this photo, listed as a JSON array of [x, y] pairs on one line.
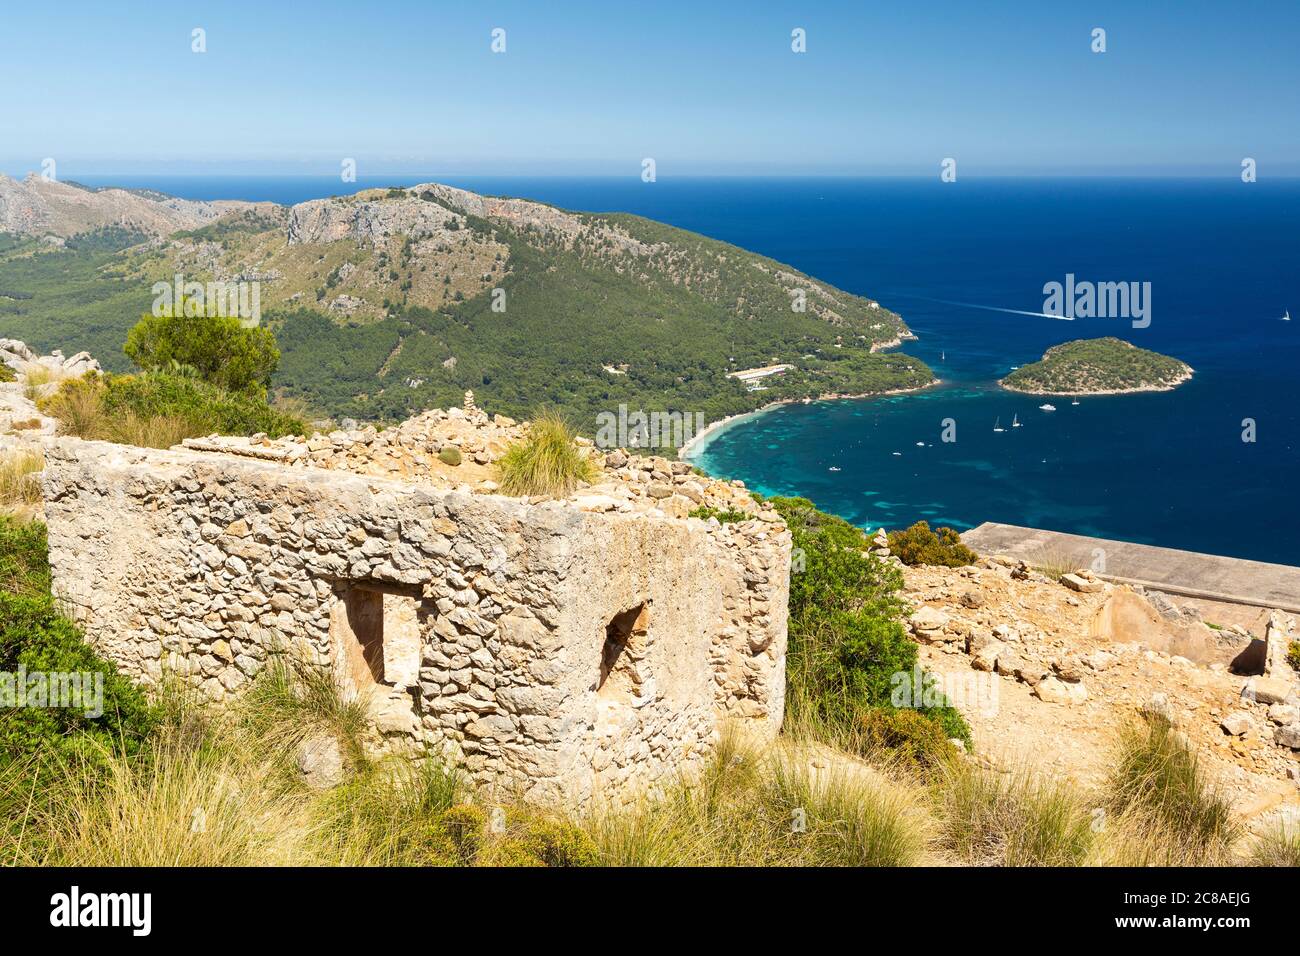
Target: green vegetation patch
[[42, 646], [847, 643], [160, 409], [919, 545], [1088, 366], [723, 515], [671, 311]]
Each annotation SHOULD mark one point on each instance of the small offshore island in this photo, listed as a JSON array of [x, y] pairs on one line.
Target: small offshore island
[[1104, 366]]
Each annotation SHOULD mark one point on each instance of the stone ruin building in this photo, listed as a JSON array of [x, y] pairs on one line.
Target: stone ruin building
[[571, 649]]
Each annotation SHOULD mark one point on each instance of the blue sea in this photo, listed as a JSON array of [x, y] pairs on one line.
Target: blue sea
[[1223, 261]]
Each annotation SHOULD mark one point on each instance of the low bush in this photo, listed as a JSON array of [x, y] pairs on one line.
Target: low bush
[[846, 637], [907, 738], [159, 409], [1293, 654], [547, 462], [509, 836], [221, 350], [450, 456], [724, 515], [39, 648], [24, 558], [291, 699], [919, 545], [767, 809], [38, 380], [1279, 845]]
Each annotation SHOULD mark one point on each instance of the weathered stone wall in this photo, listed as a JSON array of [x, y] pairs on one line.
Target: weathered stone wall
[[564, 651]]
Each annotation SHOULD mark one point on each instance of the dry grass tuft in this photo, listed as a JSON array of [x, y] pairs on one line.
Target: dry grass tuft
[[547, 462], [1015, 819], [1171, 812], [767, 808], [20, 487], [1277, 846]]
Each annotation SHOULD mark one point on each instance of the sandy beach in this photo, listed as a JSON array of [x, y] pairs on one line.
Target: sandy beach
[[698, 442]]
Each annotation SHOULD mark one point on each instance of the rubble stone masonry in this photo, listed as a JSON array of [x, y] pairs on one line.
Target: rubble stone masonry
[[564, 649]]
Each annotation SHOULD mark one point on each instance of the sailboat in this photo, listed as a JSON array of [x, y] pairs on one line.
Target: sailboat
[[997, 426], [1015, 421], [1075, 402], [1286, 316]]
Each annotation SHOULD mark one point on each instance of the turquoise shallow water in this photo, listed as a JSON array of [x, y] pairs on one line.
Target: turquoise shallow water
[[1161, 468]]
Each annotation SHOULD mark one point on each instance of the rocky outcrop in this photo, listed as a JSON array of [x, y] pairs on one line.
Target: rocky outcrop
[[1129, 617], [22, 423], [1046, 673], [20, 357], [370, 222], [43, 207], [1279, 634]]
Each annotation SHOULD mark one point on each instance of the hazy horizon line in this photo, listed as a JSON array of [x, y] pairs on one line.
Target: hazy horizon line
[[1135, 173]]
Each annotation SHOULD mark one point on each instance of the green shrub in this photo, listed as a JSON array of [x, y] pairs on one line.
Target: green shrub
[[290, 699], [7, 374], [449, 455], [1293, 654], [724, 515], [220, 349], [36, 638], [396, 814], [740, 810], [911, 739], [846, 637], [24, 558], [525, 838], [919, 545], [547, 462]]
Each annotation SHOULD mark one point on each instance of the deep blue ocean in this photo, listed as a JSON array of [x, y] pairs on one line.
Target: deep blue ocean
[[1223, 260]]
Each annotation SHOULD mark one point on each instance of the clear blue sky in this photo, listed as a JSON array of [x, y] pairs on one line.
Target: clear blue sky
[[704, 88]]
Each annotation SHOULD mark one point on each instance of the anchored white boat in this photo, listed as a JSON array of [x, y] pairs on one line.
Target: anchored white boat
[[997, 426], [1286, 316], [1048, 408], [1015, 421]]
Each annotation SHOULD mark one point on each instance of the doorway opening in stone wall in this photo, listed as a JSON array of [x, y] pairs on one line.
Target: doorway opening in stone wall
[[375, 632], [624, 648]]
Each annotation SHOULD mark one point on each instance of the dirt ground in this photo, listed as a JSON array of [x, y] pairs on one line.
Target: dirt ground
[[1045, 626]]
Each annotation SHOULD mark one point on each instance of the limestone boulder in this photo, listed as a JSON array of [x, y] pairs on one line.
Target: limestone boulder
[[1053, 691], [320, 762], [1076, 582]]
